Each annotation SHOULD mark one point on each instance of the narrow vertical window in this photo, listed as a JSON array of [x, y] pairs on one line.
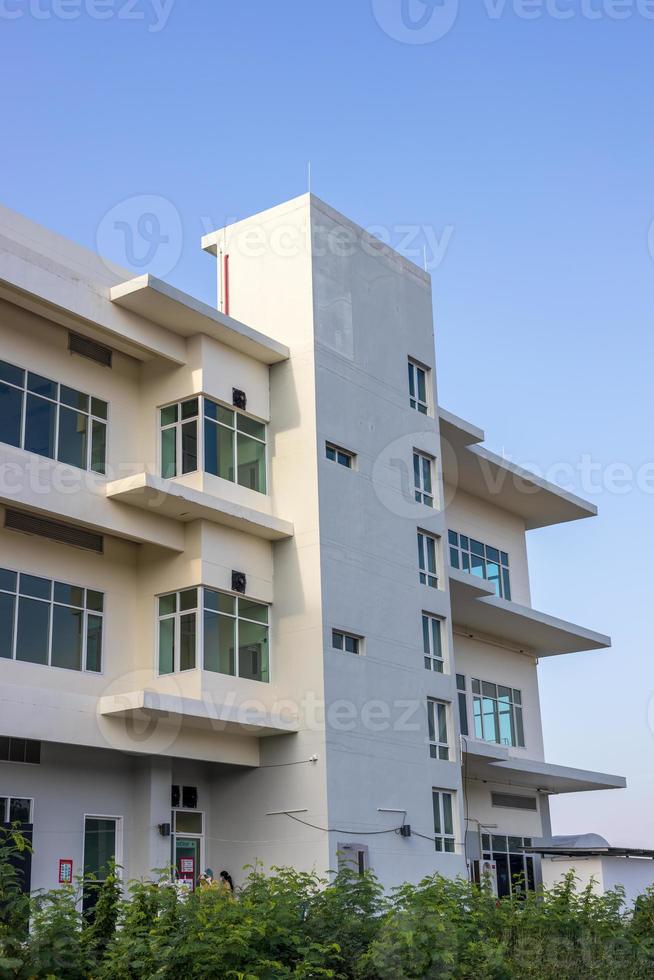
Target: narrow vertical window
[[463, 703], [442, 802], [427, 559], [418, 387], [423, 478], [437, 726], [432, 643]]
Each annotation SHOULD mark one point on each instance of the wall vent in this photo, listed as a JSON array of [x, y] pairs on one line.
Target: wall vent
[[20, 750], [77, 537], [78, 344], [239, 582], [514, 802], [239, 399]]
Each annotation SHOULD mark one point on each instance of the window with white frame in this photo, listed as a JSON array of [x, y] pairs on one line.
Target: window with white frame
[[461, 689], [202, 434], [15, 809], [423, 470], [347, 642], [443, 807], [51, 419], [337, 455], [481, 560], [432, 642], [418, 387], [437, 724], [227, 634], [515, 869], [50, 623], [427, 549], [102, 848], [497, 713]]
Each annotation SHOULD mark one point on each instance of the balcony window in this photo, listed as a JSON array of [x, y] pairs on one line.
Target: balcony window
[[233, 445], [432, 643], [227, 634], [442, 803], [423, 468], [50, 623], [52, 420], [427, 559], [437, 726], [497, 713], [481, 560], [418, 387]]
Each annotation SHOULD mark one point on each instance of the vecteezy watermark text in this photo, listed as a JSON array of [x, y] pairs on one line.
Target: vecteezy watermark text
[[153, 13]]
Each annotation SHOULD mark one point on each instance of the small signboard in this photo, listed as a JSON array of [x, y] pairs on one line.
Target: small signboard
[[187, 867], [65, 871]]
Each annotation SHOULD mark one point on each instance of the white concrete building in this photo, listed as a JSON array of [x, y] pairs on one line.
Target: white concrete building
[[592, 861], [260, 597]]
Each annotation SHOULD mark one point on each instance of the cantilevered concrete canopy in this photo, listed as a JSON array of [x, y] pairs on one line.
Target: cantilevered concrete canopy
[[197, 713], [483, 474], [532, 773], [477, 608], [176, 311], [159, 496]]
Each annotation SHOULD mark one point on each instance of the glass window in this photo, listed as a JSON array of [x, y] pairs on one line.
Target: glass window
[[497, 713], [432, 643], [188, 821], [232, 446], [340, 456], [234, 634], [346, 642], [100, 841], [20, 810], [423, 478], [463, 703], [53, 624], [515, 869], [52, 420], [481, 560], [437, 725], [427, 559], [442, 802], [418, 388]]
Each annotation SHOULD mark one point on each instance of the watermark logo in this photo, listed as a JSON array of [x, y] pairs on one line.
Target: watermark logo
[[153, 13], [416, 21], [144, 233]]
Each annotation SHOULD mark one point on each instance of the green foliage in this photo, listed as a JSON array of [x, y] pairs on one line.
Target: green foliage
[[290, 925]]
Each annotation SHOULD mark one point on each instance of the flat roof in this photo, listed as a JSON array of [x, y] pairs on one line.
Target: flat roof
[[478, 471], [169, 307], [476, 607]]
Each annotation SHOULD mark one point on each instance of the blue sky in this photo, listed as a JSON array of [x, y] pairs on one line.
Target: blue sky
[[525, 147]]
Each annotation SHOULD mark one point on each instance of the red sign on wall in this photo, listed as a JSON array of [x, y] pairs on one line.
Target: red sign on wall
[[65, 871]]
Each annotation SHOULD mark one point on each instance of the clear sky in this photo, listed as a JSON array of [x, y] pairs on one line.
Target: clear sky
[[516, 136]]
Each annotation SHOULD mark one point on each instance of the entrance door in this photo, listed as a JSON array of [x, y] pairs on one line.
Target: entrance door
[[101, 848], [187, 845]]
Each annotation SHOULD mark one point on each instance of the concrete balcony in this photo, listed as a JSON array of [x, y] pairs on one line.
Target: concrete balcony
[[476, 608], [171, 499], [470, 467], [494, 763]]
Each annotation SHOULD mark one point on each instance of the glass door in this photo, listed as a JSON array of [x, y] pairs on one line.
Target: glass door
[[100, 850], [188, 846]]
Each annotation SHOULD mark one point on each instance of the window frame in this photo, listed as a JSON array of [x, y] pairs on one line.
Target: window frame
[[489, 853], [91, 417], [433, 661], [349, 457], [438, 721], [446, 839], [201, 419], [418, 404], [423, 496], [118, 855], [199, 610], [462, 698], [346, 635], [515, 713], [462, 556], [425, 574], [14, 796], [51, 602]]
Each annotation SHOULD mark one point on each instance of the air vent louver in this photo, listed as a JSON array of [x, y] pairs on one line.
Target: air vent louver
[[78, 344], [77, 537], [513, 801]]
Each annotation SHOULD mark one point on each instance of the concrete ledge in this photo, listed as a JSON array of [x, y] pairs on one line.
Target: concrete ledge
[[205, 713], [182, 314], [181, 503]]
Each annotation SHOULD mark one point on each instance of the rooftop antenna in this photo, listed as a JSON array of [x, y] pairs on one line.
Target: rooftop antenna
[[309, 176], [424, 256]]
